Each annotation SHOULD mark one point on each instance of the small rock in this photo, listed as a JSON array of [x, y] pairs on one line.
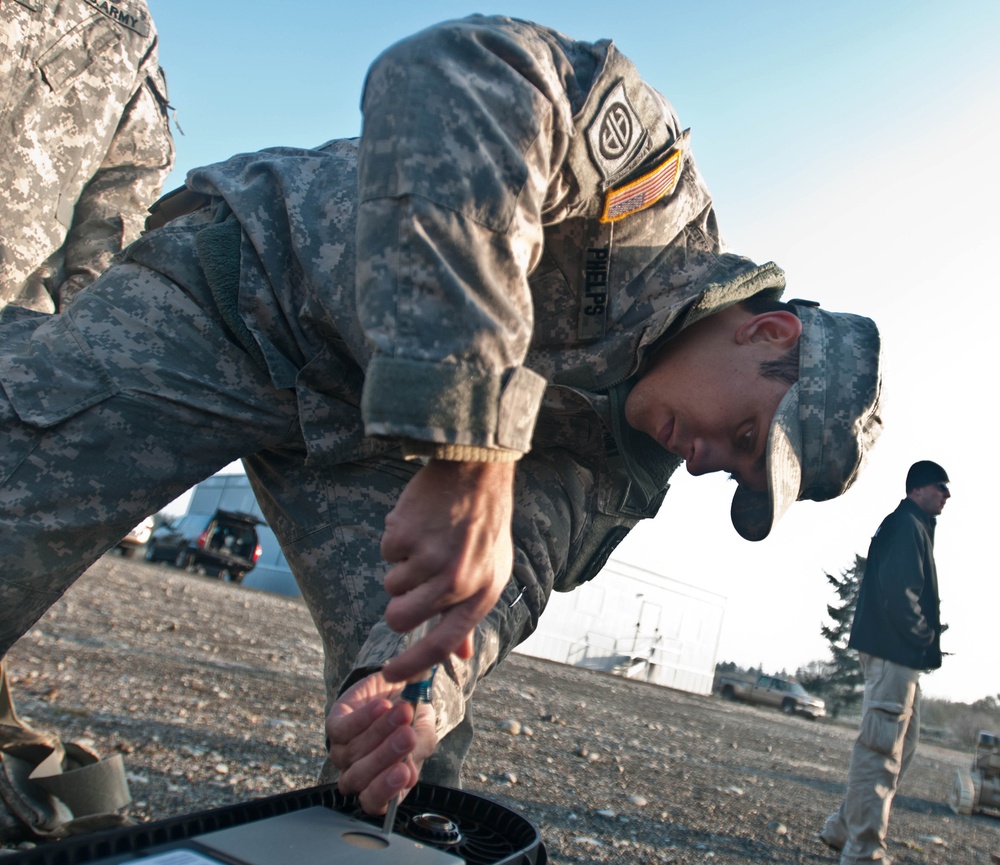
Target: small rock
[[511, 726], [933, 839], [777, 828], [590, 842], [638, 801], [510, 778], [605, 812], [734, 791]]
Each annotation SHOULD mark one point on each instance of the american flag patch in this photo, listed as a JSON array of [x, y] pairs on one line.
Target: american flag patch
[[644, 192]]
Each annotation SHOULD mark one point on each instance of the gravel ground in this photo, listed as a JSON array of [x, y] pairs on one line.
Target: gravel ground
[[213, 695]]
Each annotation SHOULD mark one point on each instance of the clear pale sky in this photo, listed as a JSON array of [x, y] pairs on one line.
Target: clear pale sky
[[854, 143]]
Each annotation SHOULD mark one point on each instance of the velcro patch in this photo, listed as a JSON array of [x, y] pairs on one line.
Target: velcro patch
[[644, 192], [121, 15], [594, 300], [616, 134]]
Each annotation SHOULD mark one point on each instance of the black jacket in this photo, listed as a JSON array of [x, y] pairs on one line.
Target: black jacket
[[898, 616]]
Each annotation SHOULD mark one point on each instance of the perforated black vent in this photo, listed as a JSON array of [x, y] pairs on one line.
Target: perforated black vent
[[490, 834]]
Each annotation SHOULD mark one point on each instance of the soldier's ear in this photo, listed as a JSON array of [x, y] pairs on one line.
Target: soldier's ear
[[778, 327]]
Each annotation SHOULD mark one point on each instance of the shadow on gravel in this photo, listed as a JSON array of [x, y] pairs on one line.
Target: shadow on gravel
[[832, 787], [567, 835], [921, 806]]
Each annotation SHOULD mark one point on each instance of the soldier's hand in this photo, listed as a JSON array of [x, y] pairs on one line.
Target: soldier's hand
[[449, 542], [372, 742]]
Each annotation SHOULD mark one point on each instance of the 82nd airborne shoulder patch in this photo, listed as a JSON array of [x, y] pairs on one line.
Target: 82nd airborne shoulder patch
[[644, 192], [616, 134]]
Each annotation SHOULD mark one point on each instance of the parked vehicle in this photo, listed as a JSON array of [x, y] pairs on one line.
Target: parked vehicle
[[137, 539], [222, 544], [784, 694]]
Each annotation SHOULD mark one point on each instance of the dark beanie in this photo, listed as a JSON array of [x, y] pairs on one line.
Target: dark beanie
[[923, 473]]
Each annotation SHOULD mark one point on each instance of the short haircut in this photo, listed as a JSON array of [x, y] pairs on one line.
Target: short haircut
[[786, 367]]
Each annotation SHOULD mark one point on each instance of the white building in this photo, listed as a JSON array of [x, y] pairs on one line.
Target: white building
[[637, 623], [626, 620]]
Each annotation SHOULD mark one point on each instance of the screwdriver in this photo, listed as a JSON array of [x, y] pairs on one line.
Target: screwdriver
[[416, 691]]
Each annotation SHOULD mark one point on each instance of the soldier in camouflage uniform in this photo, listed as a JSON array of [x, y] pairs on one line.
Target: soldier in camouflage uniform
[[474, 343], [85, 147]]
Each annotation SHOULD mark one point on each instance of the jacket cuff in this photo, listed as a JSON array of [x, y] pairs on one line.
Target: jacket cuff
[[457, 453], [451, 404]]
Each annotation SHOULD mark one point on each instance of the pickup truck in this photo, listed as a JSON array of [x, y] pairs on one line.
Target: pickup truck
[[783, 694]]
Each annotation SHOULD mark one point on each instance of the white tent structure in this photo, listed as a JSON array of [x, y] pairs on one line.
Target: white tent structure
[[636, 623]]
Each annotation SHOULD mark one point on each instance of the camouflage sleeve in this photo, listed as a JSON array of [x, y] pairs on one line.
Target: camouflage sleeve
[[557, 516], [466, 127], [112, 207]]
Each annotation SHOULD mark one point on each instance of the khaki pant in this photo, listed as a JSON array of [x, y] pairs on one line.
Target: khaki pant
[[887, 740]]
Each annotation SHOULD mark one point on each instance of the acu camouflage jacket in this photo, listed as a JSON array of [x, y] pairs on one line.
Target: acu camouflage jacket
[[521, 214], [84, 141], [520, 221]]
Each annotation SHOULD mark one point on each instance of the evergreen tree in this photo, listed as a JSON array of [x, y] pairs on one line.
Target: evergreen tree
[[841, 684]]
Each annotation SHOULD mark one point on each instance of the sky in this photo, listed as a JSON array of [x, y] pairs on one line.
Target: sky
[[854, 143]]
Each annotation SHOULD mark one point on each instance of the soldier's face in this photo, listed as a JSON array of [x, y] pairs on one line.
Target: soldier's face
[[703, 397]]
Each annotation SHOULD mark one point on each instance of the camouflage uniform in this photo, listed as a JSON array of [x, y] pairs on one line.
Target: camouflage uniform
[[86, 145], [483, 272]]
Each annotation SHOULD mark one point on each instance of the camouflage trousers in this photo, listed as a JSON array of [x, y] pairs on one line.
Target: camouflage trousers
[[135, 393]]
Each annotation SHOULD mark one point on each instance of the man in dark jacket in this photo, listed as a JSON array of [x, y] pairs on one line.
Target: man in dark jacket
[[897, 633]]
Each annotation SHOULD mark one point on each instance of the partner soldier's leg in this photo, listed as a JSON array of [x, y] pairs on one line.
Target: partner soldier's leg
[[552, 495], [108, 412], [330, 522]]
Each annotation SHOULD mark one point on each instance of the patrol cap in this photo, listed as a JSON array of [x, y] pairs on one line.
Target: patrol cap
[[925, 472], [825, 425]]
